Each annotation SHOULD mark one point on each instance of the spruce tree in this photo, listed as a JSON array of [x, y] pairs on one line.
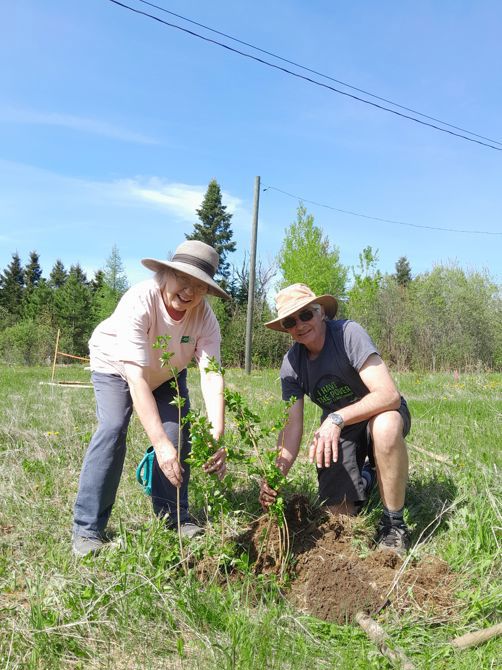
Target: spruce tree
[[58, 275], [403, 271], [12, 287], [214, 228], [114, 273]]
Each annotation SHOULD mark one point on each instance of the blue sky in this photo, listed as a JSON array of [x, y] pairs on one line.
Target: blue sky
[[112, 125]]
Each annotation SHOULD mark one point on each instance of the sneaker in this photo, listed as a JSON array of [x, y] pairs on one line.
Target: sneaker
[[189, 530], [368, 474], [393, 538], [83, 546]]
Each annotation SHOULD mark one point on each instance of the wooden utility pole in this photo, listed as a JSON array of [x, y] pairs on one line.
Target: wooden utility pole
[[252, 276]]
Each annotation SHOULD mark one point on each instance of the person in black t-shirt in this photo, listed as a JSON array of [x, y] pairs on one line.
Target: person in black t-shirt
[[338, 366]]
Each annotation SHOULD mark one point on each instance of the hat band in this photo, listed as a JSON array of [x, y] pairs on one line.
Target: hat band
[[197, 262]]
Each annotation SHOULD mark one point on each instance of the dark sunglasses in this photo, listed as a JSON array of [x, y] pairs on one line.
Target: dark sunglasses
[[305, 315]]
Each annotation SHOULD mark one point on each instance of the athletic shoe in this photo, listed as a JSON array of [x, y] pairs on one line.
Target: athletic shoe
[[369, 477], [189, 530], [83, 546], [393, 538]]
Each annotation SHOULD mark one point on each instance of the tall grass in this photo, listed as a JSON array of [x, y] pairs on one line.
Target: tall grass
[[132, 606]]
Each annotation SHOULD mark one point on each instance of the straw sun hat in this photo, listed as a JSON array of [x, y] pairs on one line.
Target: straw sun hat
[[195, 259], [294, 298]]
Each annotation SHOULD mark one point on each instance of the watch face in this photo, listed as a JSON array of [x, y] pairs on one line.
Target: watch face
[[336, 418]]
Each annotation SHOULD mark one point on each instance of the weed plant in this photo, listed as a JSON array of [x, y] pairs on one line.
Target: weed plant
[[134, 607]]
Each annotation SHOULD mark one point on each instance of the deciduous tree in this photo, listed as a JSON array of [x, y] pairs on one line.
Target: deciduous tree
[[306, 256]]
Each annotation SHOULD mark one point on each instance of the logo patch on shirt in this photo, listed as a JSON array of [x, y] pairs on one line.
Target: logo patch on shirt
[[185, 339]]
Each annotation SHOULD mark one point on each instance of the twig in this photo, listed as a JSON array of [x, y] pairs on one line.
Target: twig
[[436, 457], [377, 635], [477, 637]]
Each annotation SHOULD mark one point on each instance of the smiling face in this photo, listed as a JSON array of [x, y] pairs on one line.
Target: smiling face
[[182, 292], [310, 333]]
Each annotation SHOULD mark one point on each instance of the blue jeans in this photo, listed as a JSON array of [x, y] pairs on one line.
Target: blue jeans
[[104, 460]]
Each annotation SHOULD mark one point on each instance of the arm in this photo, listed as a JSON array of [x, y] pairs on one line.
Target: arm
[[288, 445], [212, 386], [146, 408], [383, 396]]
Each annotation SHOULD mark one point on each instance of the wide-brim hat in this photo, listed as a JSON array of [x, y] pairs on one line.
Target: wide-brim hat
[[294, 298], [195, 259]]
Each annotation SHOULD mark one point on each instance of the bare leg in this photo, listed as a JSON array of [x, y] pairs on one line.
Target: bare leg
[[391, 458]]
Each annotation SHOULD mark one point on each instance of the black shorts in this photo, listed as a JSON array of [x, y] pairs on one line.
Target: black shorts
[[342, 480]]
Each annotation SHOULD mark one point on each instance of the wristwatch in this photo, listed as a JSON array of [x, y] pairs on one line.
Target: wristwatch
[[337, 419]]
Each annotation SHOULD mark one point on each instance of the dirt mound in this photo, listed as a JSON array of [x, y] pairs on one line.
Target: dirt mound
[[335, 572]]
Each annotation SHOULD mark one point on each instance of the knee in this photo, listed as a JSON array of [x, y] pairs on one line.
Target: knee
[[111, 433], [387, 434]]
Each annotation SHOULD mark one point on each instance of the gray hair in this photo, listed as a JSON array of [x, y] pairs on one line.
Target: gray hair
[[161, 277]]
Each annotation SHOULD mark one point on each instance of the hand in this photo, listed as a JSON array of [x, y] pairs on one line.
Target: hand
[[267, 495], [324, 447], [217, 464], [167, 458]]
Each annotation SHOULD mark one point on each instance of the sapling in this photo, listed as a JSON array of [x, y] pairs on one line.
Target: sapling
[[262, 459], [178, 401]]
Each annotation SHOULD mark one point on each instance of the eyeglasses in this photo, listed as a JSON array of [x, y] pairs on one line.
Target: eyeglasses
[[186, 282], [305, 315]]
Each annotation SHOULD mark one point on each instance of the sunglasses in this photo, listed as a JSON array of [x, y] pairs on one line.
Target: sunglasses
[[305, 315]]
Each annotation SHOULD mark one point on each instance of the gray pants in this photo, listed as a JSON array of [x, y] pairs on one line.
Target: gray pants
[[104, 460]]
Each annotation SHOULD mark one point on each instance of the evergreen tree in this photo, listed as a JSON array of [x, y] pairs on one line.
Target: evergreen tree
[[97, 281], [32, 274], [32, 271], [73, 312], [214, 228], [403, 271], [306, 257], [77, 272], [58, 275], [12, 287], [114, 273]]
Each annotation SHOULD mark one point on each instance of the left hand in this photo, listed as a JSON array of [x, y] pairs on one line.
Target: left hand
[[217, 464], [324, 448]]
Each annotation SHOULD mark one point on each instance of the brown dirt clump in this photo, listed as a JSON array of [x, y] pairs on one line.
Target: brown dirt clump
[[335, 574]]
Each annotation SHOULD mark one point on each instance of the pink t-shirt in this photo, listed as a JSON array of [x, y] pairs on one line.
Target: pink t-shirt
[[140, 317]]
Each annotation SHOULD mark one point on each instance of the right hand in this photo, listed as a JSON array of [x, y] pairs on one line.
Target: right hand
[[267, 495], [167, 458]]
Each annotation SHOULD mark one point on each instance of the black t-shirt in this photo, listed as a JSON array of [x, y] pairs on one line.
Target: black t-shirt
[[331, 380]]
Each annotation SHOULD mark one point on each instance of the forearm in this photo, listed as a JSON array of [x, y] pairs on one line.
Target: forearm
[[288, 445], [376, 402], [212, 386]]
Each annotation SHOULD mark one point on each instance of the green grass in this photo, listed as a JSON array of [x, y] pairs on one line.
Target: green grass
[[133, 607]]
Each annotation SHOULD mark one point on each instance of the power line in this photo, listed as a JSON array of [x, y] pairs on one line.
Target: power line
[[316, 72], [377, 218], [300, 76]]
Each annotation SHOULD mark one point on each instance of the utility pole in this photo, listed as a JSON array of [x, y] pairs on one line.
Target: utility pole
[[252, 276]]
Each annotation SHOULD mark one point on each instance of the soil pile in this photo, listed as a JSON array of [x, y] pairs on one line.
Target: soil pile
[[335, 571]]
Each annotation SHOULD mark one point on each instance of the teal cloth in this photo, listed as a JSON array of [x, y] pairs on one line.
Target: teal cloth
[[144, 471]]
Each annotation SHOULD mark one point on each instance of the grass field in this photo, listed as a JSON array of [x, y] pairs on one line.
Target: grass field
[[134, 607]]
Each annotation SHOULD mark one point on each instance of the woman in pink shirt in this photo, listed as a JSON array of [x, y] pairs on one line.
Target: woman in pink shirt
[[127, 372]]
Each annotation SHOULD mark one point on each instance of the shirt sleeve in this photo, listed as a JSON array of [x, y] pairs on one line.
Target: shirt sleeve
[[290, 382], [358, 344], [132, 321], [209, 340]]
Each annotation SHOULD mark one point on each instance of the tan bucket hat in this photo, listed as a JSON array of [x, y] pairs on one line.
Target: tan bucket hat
[[293, 298], [195, 259]]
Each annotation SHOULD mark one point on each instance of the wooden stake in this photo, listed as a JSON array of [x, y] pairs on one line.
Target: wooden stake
[[479, 636], [377, 635], [55, 356]]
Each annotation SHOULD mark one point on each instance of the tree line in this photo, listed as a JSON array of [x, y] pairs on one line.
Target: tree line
[[444, 319]]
